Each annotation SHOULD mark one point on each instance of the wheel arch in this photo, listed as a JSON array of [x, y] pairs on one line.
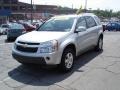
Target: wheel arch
[[70, 45]]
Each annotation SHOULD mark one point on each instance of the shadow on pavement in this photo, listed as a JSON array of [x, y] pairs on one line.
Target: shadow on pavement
[[48, 76], [10, 41]]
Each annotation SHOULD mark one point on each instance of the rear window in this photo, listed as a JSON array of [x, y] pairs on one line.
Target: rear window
[[16, 26], [4, 26]]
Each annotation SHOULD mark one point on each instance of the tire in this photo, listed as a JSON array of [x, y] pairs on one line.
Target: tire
[[67, 60], [3, 33], [8, 39], [99, 46]]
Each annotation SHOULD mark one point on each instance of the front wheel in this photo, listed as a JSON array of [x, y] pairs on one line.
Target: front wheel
[[67, 60], [99, 46], [8, 38], [4, 33]]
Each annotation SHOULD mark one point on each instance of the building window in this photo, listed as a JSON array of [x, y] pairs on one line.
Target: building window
[[6, 1], [22, 7], [14, 1], [14, 8]]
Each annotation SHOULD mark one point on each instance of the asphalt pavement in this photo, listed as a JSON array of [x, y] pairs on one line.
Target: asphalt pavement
[[92, 71]]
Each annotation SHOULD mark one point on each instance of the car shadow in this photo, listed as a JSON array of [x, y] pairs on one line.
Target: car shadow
[[9, 41], [47, 76]]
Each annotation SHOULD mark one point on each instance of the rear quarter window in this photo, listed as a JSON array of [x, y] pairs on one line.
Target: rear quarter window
[[97, 20]]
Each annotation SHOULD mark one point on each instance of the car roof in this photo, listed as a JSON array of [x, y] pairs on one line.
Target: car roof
[[3, 24], [76, 15]]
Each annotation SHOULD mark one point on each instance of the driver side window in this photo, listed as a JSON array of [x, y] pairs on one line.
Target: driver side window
[[81, 22]]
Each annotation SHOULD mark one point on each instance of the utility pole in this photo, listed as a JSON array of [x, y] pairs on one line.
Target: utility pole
[[72, 6], [85, 5], [31, 11]]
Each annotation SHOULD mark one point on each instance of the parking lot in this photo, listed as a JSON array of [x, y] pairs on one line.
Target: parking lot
[[92, 71]]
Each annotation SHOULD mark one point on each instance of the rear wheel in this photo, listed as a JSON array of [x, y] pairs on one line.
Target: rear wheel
[[67, 60], [99, 46]]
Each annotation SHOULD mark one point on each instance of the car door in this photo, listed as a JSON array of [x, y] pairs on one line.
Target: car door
[[82, 36], [92, 31]]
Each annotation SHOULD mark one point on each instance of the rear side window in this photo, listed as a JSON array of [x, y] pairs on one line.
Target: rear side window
[[90, 21], [81, 22]]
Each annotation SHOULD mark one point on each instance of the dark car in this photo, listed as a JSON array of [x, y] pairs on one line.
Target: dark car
[[113, 26], [15, 30]]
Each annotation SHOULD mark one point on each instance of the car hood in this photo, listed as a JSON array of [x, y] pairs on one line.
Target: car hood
[[41, 36]]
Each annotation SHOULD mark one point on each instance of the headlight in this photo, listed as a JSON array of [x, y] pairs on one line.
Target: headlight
[[14, 45], [49, 47]]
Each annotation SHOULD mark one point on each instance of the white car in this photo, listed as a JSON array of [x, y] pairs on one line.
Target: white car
[[59, 40], [4, 28]]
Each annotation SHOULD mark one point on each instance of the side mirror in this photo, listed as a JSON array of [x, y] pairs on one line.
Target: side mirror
[[80, 29]]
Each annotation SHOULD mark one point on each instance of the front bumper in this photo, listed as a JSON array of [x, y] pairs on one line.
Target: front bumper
[[37, 58], [26, 59]]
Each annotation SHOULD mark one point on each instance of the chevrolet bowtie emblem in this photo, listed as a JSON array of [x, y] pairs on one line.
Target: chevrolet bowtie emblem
[[24, 45]]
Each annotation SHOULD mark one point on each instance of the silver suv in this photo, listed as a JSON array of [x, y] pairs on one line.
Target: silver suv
[[59, 40]]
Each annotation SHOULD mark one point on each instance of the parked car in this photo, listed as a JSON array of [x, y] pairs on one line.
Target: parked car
[[37, 25], [15, 30], [29, 27], [3, 29], [113, 26], [59, 40]]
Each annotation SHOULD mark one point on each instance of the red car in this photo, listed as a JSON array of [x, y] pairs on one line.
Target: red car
[[29, 27]]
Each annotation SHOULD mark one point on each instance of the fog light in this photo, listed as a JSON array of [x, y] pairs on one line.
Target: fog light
[[47, 58]]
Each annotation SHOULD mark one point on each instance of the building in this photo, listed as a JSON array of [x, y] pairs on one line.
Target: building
[[5, 9], [15, 10]]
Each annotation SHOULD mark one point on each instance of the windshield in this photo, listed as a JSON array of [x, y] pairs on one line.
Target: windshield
[[16, 26], [61, 24]]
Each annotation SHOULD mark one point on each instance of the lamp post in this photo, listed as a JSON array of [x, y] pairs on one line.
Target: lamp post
[[85, 5], [31, 11]]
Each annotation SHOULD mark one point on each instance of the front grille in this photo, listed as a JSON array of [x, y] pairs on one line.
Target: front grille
[[28, 43], [27, 49]]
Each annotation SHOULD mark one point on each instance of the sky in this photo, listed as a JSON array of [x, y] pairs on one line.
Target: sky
[[93, 4]]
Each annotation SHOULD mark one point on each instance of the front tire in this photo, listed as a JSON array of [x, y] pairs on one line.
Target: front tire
[[8, 39], [67, 60]]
